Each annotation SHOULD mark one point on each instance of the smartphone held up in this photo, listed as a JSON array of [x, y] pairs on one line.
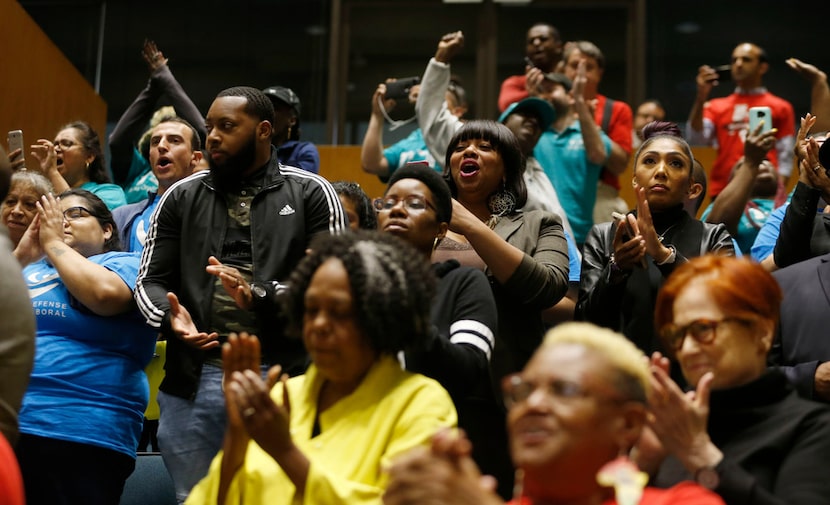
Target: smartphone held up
[[15, 141], [724, 73], [760, 116], [400, 88]]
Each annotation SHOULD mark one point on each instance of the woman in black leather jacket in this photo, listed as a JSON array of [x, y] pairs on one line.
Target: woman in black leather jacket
[[625, 262]]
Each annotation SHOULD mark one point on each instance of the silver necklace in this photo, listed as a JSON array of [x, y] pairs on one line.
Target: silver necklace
[[661, 236]]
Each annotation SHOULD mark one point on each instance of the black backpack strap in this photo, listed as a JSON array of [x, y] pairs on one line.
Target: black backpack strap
[[606, 114]]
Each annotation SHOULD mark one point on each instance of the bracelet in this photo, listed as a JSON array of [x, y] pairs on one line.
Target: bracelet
[[672, 256]]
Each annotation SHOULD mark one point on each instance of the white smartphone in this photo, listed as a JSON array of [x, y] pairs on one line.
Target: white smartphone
[[622, 220], [15, 140], [760, 115]]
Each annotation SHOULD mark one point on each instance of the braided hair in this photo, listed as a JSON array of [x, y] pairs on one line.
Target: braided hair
[[391, 285], [367, 219]]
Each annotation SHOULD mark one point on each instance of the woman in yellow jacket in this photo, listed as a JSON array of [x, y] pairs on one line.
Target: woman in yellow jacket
[[327, 436]]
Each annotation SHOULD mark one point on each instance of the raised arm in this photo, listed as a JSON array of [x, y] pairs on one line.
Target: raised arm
[[597, 144], [371, 152], [705, 80], [793, 243], [731, 202], [44, 152], [819, 91], [132, 123], [181, 102], [436, 121], [134, 120]]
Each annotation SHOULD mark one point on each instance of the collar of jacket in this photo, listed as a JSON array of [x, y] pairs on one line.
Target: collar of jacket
[[273, 176]]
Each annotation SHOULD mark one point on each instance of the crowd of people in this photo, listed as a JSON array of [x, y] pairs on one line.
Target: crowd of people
[[496, 326]]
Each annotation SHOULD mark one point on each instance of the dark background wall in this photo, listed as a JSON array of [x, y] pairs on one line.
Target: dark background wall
[[215, 44]]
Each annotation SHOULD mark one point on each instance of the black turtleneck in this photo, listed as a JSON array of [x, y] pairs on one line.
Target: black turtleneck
[[775, 445]]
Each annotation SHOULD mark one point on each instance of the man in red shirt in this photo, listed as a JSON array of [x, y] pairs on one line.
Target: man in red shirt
[[614, 117], [722, 122], [544, 50]]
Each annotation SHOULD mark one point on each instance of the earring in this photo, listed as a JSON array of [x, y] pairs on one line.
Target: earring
[[518, 485], [87, 165], [628, 481], [288, 136], [435, 244], [501, 202]]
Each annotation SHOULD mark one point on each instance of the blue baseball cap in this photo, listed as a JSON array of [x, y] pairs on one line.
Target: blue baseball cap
[[537, 106]]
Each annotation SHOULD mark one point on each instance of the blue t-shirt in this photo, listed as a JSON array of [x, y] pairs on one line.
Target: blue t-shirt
[[111, 194], [574, 260], [412, 148], [88, 383], [141, 225], [752, 220], [565, 161], [768, 234]]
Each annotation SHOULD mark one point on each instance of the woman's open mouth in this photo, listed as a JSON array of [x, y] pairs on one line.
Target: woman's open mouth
[[468, 169]]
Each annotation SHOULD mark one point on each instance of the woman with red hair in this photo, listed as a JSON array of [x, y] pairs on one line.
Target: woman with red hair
[[743, 432]]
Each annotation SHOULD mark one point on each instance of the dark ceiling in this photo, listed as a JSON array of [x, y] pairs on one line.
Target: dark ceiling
[[214, 44]]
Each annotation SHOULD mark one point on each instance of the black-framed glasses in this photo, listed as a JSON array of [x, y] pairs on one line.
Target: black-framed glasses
[[412, 203], [516, 389], [702, 330], [73, 213]]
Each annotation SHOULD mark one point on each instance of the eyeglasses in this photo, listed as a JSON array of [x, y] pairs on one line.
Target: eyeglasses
[[702, 330], [65, 143], [412, 203], [73, 213], [517, 390]]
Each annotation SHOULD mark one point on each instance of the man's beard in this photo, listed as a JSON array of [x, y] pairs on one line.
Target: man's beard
[[228, 174]]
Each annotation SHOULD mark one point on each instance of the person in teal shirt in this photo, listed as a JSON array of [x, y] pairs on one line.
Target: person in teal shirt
[[75, 160], [752, 194]]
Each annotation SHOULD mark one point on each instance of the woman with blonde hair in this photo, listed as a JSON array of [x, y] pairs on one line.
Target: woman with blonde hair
[[574, 413]]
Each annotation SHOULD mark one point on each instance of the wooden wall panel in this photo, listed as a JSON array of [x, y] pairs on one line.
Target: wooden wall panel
[[40, 89], [342, 163]]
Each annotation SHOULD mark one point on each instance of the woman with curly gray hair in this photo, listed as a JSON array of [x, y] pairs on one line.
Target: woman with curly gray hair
[[356, 300]]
